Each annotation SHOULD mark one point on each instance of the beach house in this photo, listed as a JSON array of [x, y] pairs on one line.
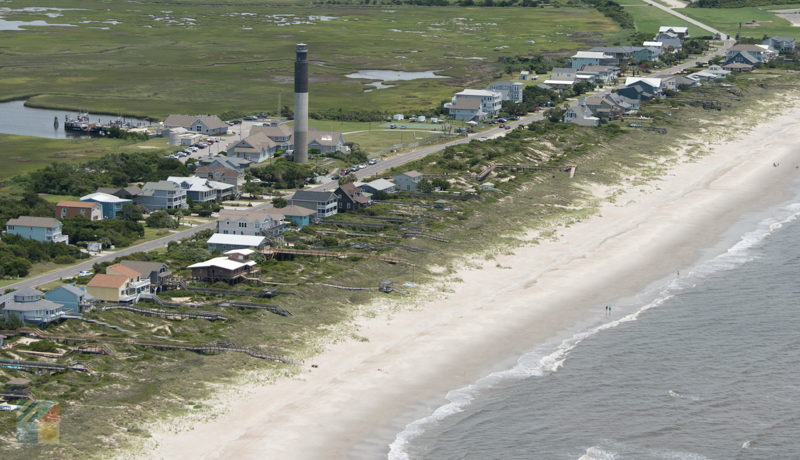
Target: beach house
[[29, 306], [254, 222], [408, 180], [234, 266], [204, 124], [87, 209], [112, 205], [474, 104], [323, 203], [44, 229], [162, 195], [75, 299]]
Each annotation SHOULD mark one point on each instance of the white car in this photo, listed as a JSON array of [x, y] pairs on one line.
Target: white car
[[372, 161], [483, 139], [84, 273]]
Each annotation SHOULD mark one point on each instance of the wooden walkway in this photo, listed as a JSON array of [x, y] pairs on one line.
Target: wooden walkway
[[337, 255]]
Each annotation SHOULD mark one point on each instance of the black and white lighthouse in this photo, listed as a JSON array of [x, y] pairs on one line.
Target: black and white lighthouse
[[301, 104]]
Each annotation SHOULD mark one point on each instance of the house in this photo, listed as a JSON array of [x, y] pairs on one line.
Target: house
[[579, 114], [656, 48], [647, 87], [475, 104], [584, 58], [220, 173], [255, 148], [525, 75], [112, 205], [379, 185], [350, 197], [113, 288], [679, 31], [239, 164], [299, 215], [557, 84], [232, 267], [408, 180], [138, 284], [608, 106], [128, 193], [324, 203], [598, 73], [629, 54], [781, 44], [281, 135], [738, 67], [204, 124], [747, 54], [676, 82], [75, 299], [563, 74], [328, 141], [202, 190], [156, 272], [717, 70], [88, 209], [509, 90], [28, 306], [222, 242], [669, 41], [162, 195], [44, 229], [255, 222], [398, 117]]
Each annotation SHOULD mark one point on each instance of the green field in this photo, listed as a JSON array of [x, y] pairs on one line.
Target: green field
[[23, 154], [728, 20], [648, 18], [147, 59]]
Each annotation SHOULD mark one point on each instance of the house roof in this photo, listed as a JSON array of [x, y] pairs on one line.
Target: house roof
[[250, 215], [676, 29], [103, 280], [222, 262], [30, 221], [211, 121], [746, 55], [381, 184], [143, 268], [123, 270], [273, 131], [244, 252], [746, 47], [598, 68], [151, 187], [296, 211], [353, 193], [224, 171], [237, 240], [649, 81], [306, 195], [476, 93], [413, 174], [71, 288], [78, 204], [466, 103], [618, 49], [255, 142], [104, 198], [199, 184], [559, 82], [329, 138], [655, 44], [591, 55], [41, 304], [737, 65], [27, 292]]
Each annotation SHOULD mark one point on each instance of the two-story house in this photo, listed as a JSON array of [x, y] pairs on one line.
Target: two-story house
[[112, 205], [350, 197], [324, 203], [162, 195], [119, 284], [475, 104], [781, 44], [256, 147], [261, 222], [584, 58], [408, 180], [28, 306], [156, 272], [204, 124], [234, 266], [221, 173], [509, 90], [44, 229], [202, 190], [91, 210], [75, 299]]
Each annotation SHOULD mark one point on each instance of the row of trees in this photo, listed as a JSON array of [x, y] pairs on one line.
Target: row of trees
[[17, 254]]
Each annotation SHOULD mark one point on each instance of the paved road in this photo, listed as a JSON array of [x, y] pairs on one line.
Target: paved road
[[378, 168]]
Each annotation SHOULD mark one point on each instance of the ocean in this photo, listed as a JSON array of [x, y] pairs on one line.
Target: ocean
[[705, 365]]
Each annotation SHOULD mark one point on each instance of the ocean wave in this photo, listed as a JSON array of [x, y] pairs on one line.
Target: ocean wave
[[598, 453], [539, 362]]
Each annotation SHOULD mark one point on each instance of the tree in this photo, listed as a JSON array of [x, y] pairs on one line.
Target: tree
[[161, 219], [132, 212], [279, 202], [425, 186], [253, 188], [17, 267]]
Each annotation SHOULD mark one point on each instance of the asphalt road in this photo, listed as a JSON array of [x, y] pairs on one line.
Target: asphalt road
[[378, 168]]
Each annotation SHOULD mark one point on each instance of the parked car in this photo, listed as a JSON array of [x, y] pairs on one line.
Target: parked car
[[362, 166], [335, 177], [85, 273], [256, 180], [483, 138], [372, 161], [392, 126], [345, 172], [250, 118]]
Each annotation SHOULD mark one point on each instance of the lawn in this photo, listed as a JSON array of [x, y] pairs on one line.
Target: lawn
[[729, 19], [152, 58], [648, 19]]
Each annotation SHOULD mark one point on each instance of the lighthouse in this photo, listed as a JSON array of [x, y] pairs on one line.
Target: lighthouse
[[301, 104]]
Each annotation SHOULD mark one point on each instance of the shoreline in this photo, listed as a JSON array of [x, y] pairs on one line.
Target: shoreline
[[364, 392]]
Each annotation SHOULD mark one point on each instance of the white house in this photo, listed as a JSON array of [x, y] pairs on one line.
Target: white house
[[680, 32], [408, 180], [510, 90], [584, 58], [204, 124], [475, 104]]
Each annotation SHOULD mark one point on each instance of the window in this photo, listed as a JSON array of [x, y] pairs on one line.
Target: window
[[242, 224]]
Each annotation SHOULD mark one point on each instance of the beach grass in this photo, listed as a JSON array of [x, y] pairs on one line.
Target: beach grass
[[728, 20], [148, 59], [647, 18]]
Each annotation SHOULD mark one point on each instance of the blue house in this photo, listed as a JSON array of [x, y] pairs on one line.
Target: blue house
[[112, 205], [299, 215], [28, 306], [74, 299], [44, 229]]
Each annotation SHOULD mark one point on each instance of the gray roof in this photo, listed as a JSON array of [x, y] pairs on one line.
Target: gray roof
[[42, 304], [618, 49], [29, 221], [149, 187], [144, 268], [72, 289], [211, 121], [411, 174], [305, 195], [28, 292]]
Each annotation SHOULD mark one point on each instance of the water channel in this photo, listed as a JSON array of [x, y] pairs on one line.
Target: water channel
[[16, 118]]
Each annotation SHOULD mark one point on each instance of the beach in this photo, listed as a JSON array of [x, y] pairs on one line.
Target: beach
[[480, 319]]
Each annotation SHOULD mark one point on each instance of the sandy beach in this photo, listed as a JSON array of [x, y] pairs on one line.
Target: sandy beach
[[364, 392]]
